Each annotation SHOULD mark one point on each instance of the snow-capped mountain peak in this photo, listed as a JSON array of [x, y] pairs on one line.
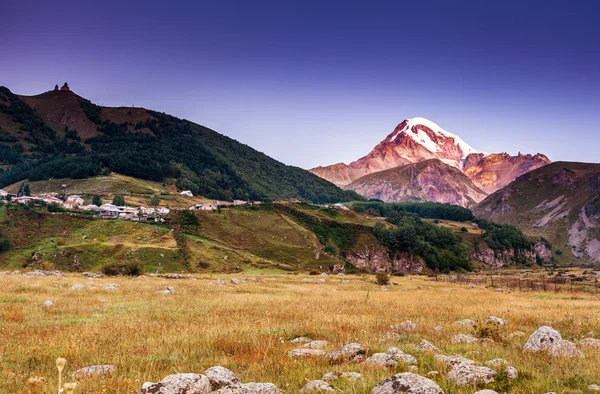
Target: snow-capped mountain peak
[[430, 135]]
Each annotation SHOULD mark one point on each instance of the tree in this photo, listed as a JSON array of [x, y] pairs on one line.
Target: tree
[[155, 200], [97, 200], [118, 200]]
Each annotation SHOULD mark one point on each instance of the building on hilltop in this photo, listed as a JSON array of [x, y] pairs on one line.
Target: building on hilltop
[[55, 88], [65, 87]]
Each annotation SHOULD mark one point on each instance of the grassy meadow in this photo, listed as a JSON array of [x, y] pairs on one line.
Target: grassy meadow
[[246, 328]]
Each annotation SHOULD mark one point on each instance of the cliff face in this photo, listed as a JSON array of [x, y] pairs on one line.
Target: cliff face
[[378, 260], [500, 258]]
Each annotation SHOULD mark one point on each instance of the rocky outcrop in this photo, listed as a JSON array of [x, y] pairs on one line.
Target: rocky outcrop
[[500, 258], [471, 374], [378, 260], [189, 383]]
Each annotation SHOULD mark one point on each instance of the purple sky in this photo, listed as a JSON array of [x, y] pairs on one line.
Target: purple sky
[[319, 82]]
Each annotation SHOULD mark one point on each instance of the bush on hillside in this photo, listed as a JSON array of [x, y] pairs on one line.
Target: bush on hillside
[[122, 269]]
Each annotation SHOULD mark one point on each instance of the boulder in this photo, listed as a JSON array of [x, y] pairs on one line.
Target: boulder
[[300, 340], [593, 387], [93, 370], [468, 373], [317, 386], [381, 360], [221, 377], [511, 373], [331, 376], [48, 303], [496, 363], [486, 392], [407, 383], [188, 383], [516, 334], [348, 352], [452, 360], [78, 286], [546, 339], [167, 291], [248, 388], [401, 357], [321, 281], [112, 286], [235, 281], [405, 326], [590, 343]]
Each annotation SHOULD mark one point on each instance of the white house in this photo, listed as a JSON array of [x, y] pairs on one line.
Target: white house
[[240, 202], [340, 206], [187, 193], [73, 202], [163, 211], [3, 193]]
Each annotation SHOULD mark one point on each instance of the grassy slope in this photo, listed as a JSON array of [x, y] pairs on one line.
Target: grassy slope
[[267, 237], [528, 191]]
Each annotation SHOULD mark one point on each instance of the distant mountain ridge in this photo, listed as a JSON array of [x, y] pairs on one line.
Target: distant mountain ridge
[[418, 139], [59, 134]]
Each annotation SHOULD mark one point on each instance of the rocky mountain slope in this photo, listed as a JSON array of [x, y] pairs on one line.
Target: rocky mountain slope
[[59, 134], [419, 139], [429, 180], [560, 201]]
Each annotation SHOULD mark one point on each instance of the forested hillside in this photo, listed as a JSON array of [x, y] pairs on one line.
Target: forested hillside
[[39, 140]]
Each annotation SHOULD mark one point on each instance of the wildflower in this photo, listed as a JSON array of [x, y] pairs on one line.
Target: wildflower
[[60, 365]]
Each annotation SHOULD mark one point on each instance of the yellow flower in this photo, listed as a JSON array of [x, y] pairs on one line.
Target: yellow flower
[[60, 364]]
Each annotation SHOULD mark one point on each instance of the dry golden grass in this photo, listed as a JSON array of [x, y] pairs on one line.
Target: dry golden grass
[[246, 328]]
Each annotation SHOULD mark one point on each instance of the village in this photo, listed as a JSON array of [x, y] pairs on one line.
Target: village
[[107, 210]]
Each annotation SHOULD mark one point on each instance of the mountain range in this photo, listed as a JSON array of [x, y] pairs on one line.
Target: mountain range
[[59, 134], [472, 174]]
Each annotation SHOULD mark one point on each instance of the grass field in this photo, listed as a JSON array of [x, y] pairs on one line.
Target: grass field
[[246, 327]]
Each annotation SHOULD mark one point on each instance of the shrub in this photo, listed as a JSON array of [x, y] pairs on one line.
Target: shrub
[[129, 269], [383, 279], [464, 229]]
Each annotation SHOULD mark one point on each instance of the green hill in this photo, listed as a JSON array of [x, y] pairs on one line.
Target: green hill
[[59, 134]]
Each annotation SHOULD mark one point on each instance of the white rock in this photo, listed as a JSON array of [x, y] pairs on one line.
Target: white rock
[[465, 322], [464, 338], [297, 353], [425, 346], [112, 286], [78, 286], [496, 320], [405, 326], [349, 351], [590, 343], [48, 303], [511, 373], [300, 340], [486, 392], [594, 387], [496, 363]]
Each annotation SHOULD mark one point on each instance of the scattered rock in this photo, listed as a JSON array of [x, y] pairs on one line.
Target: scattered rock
[[348, 352], [321, 281], [432, 374], [516, 334], [405, 326], [486, 392], [94, 370], [452, 360], [331, 376], [112, 286], [384, 288], [247, 388], [188, 383], [468, 373], [546, 339], [465, 323], [301, 352], [439, 329], [318, 386], [78, 286], [300, 340], [511, 372], [407, 383], [316, 345], [464, 338], [381, 360], [496, 320], [425, 346], [400, 356], [594, 387], [235, 281], [168, 290], [221, 377], [48, 303], [497, 363]]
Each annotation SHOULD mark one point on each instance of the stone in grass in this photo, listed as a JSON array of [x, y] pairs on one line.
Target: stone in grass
[[590, 343], [316, 344], [407, 383], [78, 286], [546, 339], [511, 373], [94, 370], [390, 359], [486, 392], [112, 286], [464, 338], [405, 326], [347, 352], [167, 291], [452, 360], [467, 374], [594, 387], [247, 388], [188, 383], [300, 340], [48, 303], [316, 386], [496, 320], [465, 323], [331, 376], [425, 346]]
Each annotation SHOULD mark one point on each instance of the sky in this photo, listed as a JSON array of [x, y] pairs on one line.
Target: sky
[[319, 82]]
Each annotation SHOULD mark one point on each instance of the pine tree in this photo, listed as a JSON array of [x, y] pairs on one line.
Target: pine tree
[[97, 200]]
